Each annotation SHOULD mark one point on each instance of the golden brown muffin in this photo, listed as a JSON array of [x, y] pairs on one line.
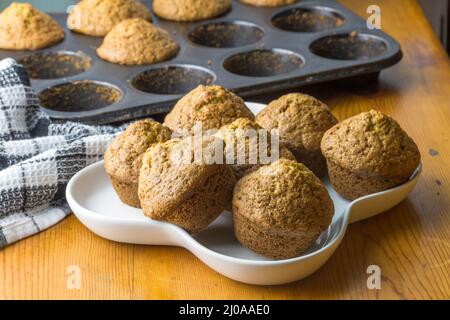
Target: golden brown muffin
[[190, 194], [280, 210], [23, 27], [137, 41], [268, 3], [98, 17], [190, 10], [123, 157], [301, 121], [368, 153], [243, 140], [213, 106]]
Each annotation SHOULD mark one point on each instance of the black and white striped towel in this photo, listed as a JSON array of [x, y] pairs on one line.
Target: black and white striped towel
[[38, 157]]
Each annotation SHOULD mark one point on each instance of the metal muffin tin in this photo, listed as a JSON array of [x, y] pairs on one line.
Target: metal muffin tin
[[324, 41]]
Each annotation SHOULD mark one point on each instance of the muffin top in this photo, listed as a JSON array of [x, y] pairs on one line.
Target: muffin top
[[23, 27], [371, 143], [98, 17], [190, 10], [124, 155], [213, 106], [300, 119], [242, 137], [137, 41], [268, 3], [284, 196], [169, 174]]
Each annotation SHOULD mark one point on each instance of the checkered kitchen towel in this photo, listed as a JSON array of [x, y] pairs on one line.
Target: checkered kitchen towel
[[38, 157]]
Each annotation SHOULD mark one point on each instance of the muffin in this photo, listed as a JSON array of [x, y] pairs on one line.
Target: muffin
[[98, 17], [368, 153], [243, 140], [136, 42], [23, 27], [213, 106], [123, 157], [177, 189], [268, 3], [301, 121], [280, 210], [190, 10]]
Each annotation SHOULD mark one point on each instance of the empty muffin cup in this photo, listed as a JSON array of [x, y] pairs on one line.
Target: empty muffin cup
[[53, 65], [174, 79], [349, 46], [83, 95], [226, 34], [312, 19], [263, 62]]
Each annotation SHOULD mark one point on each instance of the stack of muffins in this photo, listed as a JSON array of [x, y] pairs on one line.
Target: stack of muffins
[[279, 208]]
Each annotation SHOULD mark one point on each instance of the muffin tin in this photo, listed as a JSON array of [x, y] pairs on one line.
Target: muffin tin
[[249, 50]]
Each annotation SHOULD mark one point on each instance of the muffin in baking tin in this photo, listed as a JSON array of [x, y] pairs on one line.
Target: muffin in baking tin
[[98, 17], [137, 41], [23, 27], [190, 10]]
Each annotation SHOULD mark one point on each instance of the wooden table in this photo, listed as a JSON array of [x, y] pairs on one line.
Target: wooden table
[[410, 243]]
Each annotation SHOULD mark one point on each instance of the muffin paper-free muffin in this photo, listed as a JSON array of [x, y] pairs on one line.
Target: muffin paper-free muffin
[[368, 153], [23, 27], [176, 188], [123, 157], [301, 121], [98, 17], [190, 10], [280, 210]]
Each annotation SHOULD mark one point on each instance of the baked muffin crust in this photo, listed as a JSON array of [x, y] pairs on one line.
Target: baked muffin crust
[[188, 194], [123, 157], [301, 120], [237, 141], [190, 10], [135, 42], [23, 27], [371, 143], [213, 106], [281, 209], [368, 153], [98, 17]]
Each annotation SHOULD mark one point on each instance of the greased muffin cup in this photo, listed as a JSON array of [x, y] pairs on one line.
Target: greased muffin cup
[[123, 157], [212, 106], [243, 140], [301, 120], [177, 188], [98, 17], [368, 153], [268, 3], [280, 210], [136, 41], [190, 10], [23, 27]]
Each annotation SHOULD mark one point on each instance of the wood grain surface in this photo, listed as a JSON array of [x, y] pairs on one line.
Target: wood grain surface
[[410, 243]]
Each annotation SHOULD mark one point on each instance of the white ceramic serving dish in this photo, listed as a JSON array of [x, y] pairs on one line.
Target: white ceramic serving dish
[[96, 205]]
